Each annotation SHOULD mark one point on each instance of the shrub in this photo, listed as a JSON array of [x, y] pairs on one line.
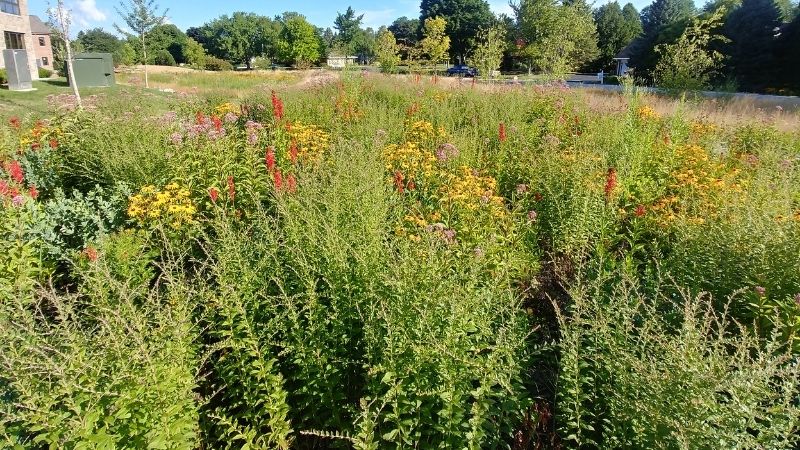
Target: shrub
[[217, 65], [119, 358], [3, 76], [164, 58], [631, 379], [45, 73]]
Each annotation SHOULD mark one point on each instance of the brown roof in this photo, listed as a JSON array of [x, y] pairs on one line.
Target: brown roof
[[38, 27]]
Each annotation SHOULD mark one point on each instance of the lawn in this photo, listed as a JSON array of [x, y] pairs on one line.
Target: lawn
[[352, 260]]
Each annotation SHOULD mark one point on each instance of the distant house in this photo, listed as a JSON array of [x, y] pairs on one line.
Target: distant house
[[338, 62], [16, 27], [43, 47], [623, 58]]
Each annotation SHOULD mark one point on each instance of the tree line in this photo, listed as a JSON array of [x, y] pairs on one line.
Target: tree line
[[749, 45]]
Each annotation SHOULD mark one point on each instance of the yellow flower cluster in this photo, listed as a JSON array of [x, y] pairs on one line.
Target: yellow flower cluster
[[225, 108], [468, 189], [701, 128], [697, 181], [423, 132], [39, 133], [311, 141], [410, 159], [647, 113], [171, 205]]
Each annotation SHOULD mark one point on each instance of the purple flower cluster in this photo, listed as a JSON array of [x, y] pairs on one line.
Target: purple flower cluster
[[446, 152]]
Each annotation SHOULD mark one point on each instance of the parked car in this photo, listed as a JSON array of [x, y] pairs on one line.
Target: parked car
[[462, 71]]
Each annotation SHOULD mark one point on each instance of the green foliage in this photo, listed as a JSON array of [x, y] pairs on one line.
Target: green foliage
[[488, 52], [194, 54], [163, 58], [101, 41], [406, 30], [3, 76], [119, 360], [125, 55], [240, 37], [662, 13], [463, 18], [556, 38], [216, 64], [348, 26], [44, 73], [435, 42], [631, 379], [616, 28], [300, 44], [750, 29], [388, 52], [691, 63]]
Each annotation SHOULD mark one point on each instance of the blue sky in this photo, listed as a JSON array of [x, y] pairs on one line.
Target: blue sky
[[187, 13]]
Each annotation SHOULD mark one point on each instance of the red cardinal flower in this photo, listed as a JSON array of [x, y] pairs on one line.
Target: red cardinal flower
[[53, 144], [217, 123], [640, 211], [14, 122], [278, 180], [15, 170], [293, 152], [269, 159], [502, 132], [291, 183], [4, 189], [611, 182], [277, 106], [90, 253], [231, 188], [213, 194], [398, 181], [34, 193]]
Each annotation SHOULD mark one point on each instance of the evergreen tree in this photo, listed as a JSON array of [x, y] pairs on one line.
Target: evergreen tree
[[348, 26], [614, 31], [464, 19], [752, 30], [787, 58], [662, 13]]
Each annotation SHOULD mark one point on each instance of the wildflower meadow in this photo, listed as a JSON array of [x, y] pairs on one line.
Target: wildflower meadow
[[376, 262]]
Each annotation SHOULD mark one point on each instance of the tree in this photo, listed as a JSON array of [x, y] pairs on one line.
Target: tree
[[464, 19], [194, 54], [751, 30], [662, 13], [786, 50], [615, 30], [299, 42], [165, 37], [141, 16], [691, 62], [98, 40], [125, 55], [61, 17], [348, 26], [405, 30], [387, 51], [555, 38], [363, 45], [488, 53], [435, 42], [240, 37]]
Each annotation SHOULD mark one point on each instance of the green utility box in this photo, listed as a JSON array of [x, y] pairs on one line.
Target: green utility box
[[93, 69]]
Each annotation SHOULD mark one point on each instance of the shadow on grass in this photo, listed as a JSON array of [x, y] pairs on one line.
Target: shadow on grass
[[56, 82]]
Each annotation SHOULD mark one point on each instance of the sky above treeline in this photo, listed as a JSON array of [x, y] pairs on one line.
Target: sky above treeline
[[192, 13]]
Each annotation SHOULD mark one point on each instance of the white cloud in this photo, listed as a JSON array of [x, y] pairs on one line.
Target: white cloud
[[376, 18], [86, 11], [501, 7]]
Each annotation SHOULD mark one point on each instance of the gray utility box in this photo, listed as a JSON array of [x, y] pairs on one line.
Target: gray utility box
[[17, 70], [93, 69]]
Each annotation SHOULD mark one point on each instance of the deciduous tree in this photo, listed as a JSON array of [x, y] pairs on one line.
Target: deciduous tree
[[299, 43], [141, 16], [387, 51], [435, 43], [464, 19], [488, 53], [751, 29], [61, 17], [615, 30]]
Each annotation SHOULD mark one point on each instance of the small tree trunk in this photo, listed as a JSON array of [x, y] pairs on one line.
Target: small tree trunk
[[72, 79], [144, 52]]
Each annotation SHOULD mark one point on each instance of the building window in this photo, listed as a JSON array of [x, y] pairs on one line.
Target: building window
[[15, 40], [45, 62], [9, 6], [41, 41]]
